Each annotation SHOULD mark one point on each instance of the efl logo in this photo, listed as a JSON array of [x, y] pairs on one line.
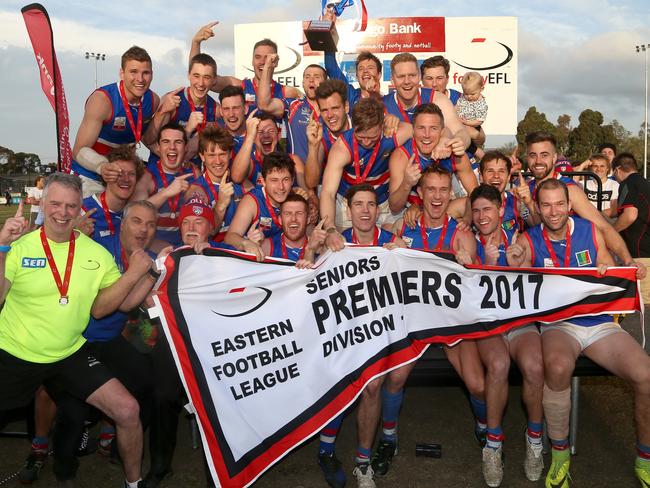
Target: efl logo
[[33, 262]]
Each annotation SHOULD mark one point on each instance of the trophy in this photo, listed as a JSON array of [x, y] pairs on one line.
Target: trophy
[[321, 34]]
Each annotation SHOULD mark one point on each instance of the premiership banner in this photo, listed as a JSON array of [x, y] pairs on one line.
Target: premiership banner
[[269, 353], [484, 44], [40, 33]]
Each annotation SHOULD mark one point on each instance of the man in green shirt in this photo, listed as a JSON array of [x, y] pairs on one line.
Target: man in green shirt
[[51, 281]]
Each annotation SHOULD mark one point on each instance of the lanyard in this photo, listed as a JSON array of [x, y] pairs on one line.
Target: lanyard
[[401, 108], [285, 254], [173, 202], [504, 237], [62, 286], [357, 166], [375, 237], [271, 210], [549, 247], [137, 131], [215, 194], [193, 109], [107, 213], [425, 237]]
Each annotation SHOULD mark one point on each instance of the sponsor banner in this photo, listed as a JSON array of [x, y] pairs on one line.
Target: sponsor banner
[[40, 33], [484, 44], [269, 353]]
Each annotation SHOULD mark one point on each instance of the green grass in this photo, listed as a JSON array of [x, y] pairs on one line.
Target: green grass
[[10, 211]]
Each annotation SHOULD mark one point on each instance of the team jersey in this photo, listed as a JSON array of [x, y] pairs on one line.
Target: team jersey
[[211, 189], [511, 220], [167, 228], [409, 148], [367, 165], [34, 326], [237, 139], [250, 93], [394, 106], [299, 112], [579, 249], [428, 238], [453, 95], [380, 238], [506, 237], [279, 249], [184, 110], [119, 128], [107, 222], [266, 214]]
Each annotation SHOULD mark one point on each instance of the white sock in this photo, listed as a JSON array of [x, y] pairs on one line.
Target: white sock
[[132, 484]]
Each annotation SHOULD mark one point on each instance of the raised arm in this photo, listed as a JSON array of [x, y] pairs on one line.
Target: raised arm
[[265, 102], [203, 34], [338, 158]]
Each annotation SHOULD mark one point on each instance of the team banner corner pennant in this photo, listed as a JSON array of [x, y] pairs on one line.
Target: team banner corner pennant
[[269, 353]]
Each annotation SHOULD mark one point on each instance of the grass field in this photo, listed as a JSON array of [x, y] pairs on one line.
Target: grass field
[[10, 211]]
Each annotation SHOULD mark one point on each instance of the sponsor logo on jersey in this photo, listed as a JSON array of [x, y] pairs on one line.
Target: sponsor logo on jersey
[[119, 123], [34, 262], [583, 258]]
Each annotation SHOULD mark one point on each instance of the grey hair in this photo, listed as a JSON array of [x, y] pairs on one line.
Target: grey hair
[[139, 203], [67, 180]]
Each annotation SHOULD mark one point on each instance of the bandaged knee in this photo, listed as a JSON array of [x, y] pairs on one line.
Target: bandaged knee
[[557, 409]]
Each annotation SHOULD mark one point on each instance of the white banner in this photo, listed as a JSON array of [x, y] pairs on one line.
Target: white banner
[[270, 353], [484, 44]]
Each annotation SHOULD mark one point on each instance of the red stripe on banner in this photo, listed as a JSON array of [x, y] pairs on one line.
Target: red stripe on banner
[[40, 33], [188, 374], [478, 39], [273, 452]]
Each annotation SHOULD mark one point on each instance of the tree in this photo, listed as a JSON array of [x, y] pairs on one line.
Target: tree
[[533, 121], [587, 136], [563, 130]]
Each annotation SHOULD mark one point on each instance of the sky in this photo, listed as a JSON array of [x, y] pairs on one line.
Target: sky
[[573, 54]]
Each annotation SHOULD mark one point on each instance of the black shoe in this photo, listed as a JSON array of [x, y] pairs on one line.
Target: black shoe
[[32, 467], [332, 470], [383, 457]]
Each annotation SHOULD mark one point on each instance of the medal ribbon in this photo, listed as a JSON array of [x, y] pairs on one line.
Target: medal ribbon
[[401, 107], [425, 237], [549, 247], [62, 286], [173, 202], [107, 213], [137, 131], [285, 253], [193, 109], [375, 237], [271, 210], [357, 166]]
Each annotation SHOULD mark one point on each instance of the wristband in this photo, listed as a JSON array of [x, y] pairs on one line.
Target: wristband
[[5, 248], [153, 273], [331, 230]]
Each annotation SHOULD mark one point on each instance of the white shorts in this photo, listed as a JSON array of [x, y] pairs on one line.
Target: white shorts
[[343, 221], [515, 332], [585, 336]]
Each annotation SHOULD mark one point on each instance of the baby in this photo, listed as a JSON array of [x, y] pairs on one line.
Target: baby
[[472, 107]]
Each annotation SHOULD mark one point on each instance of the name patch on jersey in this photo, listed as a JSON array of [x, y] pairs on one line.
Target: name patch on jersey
[[548, 263], [119, 123], [34, 262], [583, 258], [104, 233]]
